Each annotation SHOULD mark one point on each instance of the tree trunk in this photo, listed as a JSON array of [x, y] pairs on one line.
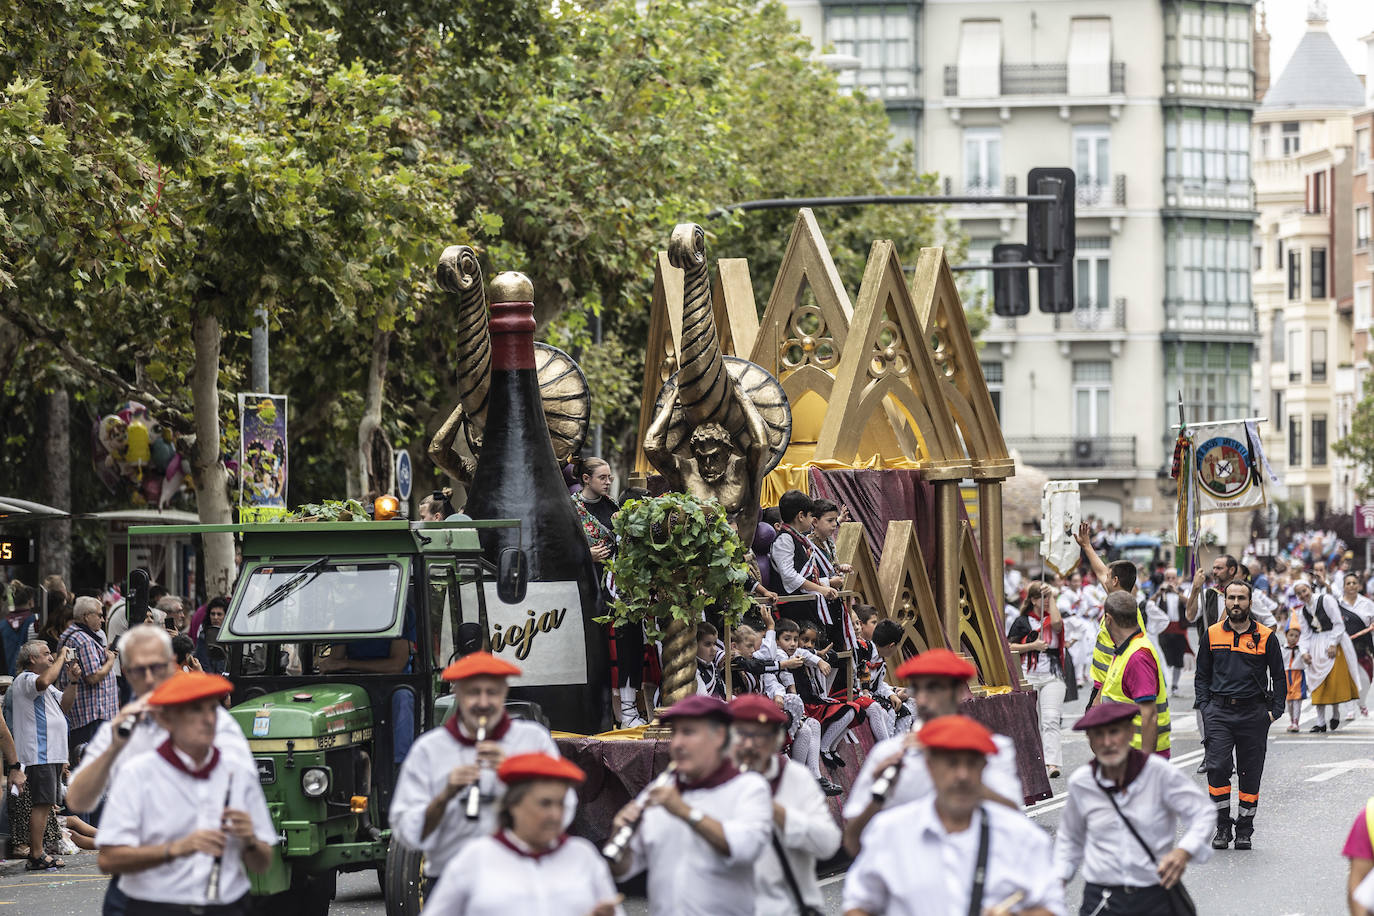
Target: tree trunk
[[55, 538], [212, 479], [374, 471]]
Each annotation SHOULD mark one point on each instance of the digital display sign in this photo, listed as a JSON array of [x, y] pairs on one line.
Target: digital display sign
[[16, 551]]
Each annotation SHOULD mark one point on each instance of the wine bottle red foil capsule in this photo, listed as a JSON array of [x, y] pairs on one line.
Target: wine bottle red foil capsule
[[512, 322]]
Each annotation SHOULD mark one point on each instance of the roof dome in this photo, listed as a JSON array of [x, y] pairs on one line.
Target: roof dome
[[1317, 75]]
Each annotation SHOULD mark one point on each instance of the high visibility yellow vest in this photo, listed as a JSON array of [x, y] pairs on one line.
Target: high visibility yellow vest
[[1112, 690], [1105, 650]]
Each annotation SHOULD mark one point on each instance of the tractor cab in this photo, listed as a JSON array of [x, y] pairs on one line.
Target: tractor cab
[[335, 638]]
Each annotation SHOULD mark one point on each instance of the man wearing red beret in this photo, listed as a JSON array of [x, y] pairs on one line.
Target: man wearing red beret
[[166, 854], [971, 857], [803, 828], [1120, 802], [701, 833], [428, 810], [937, 681]]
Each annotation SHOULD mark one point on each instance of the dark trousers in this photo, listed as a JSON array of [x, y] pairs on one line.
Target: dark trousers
[[1106, 900], [1236, 741], [135, 907], [115, 899]]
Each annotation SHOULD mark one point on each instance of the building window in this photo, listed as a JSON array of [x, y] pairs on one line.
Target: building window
[[1294, 275], [1316, 192], [992, 374], [1318, 355], [1092, 398], [1278, 252], [1264, 141], [1318, 273], [1278, 409], [980, 59], [1090, 56], [882, 37], [1206, 145], [1295, 356], [1214, 378], [1364, 307], [1292, 135], [983, 160], [1361, 148], [1319, 442], [1208, 261], [1362, 227], [1092, 165], [1092, 273], [1276, 338], [1295, 442]]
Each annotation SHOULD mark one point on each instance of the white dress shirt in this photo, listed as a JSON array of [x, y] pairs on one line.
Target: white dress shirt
[[1156, 800], [152, 802], [148, 734], [687, 876], [809, 832], [1000, 775], [425, 774], [882, 879], [490, 878]]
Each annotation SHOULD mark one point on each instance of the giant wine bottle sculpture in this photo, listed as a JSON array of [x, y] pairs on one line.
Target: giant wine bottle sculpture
[[551, 635]]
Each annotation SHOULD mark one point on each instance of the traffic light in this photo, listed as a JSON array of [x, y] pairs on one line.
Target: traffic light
[[1050, 236], [1011, 288]]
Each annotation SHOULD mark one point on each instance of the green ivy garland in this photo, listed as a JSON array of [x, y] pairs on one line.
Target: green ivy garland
[[676, 556]]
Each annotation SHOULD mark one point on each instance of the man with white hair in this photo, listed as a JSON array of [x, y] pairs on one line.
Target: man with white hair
[[146, 655], [97, 695], [40, 736]]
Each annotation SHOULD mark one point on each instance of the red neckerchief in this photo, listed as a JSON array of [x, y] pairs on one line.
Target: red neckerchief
[[719, 777], [805, 542], [170, 755], [536, 856], [495, 733], [1135, 763], [776, 782]]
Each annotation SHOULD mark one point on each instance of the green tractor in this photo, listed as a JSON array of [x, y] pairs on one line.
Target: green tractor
[[335, 638]]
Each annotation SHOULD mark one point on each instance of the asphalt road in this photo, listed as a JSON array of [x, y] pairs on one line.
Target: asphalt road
[[1314, 785]]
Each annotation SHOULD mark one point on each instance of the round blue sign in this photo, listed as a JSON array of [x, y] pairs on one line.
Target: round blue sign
[[403, 475]]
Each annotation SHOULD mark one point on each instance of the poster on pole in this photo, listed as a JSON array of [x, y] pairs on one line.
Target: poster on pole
[[1227, 468], [1060, 514], [262, 456]]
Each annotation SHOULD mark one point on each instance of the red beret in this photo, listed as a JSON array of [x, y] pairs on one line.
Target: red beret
[[697, 706], [1008, 562], [479, 664], [754, 707], [937, 663], [956, 733], [523, 767], [1105, 713], [189, 686]]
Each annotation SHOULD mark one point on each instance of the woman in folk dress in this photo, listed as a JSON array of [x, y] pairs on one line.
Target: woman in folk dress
[[1328, 653]]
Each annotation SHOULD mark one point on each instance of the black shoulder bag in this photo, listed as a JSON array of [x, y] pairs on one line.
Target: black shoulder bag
[[803, 908], [1180, 901]]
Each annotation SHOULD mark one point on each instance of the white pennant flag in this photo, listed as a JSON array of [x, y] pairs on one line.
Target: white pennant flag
[[1059, 519]]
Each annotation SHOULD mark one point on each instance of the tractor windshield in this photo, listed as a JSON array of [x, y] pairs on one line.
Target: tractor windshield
[[317, 599]]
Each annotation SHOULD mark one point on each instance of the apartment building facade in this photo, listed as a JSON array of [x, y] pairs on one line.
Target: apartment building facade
[[1305, 238], [1150, 103]]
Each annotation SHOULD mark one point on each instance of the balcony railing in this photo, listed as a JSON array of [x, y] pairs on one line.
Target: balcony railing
[[1102, 195], [1089, 316], [1036, 79], [1208, 194], [978, 186], [1076, 451]]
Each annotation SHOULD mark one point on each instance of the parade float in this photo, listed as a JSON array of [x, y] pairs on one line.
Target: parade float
[[879, 405]]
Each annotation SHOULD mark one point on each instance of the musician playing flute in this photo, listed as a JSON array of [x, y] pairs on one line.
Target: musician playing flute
[[430, 809], [701, 832], [937, 682], [164, 853]]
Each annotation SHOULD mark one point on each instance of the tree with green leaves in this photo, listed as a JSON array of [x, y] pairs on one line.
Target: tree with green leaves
[[1357, 446]]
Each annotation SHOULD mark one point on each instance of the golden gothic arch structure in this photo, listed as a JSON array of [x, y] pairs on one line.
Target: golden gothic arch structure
[[890, 380]]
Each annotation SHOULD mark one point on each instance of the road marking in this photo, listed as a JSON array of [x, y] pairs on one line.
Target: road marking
[[1339, 768], [1056, 802]]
